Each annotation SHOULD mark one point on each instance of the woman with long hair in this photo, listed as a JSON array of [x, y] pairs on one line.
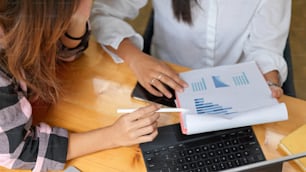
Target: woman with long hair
[[35, 35]]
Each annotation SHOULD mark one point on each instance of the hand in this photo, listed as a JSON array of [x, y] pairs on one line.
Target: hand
[[277, 91], [137, 127], [272, 79], [153, 74], [133, 128]]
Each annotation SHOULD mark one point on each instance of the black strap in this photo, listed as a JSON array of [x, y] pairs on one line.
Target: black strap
[[78, 38]]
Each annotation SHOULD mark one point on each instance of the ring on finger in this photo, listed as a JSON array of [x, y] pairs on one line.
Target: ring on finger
[[152, 81], [160, 76]]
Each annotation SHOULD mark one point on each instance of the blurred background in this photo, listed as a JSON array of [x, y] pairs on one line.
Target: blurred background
[[297, 41]]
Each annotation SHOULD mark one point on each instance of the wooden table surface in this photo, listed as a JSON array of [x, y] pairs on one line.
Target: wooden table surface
[[97, 87]]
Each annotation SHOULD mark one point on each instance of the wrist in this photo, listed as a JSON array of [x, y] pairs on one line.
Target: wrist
[[273, 84], [272, 79], [77, 28], [129, 52], [77, 36]]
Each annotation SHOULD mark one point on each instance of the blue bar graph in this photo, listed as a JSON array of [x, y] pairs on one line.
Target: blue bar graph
[[210, 108], [241, 80], [199, 85]]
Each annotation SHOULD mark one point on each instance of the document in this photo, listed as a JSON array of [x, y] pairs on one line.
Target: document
[[226, 97]]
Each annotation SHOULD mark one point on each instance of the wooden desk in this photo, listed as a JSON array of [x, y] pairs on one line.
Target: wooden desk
[[97, 87]]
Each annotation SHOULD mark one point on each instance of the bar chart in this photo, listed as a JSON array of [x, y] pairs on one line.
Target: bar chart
[[203, 107], [240, 80], [199, 85]]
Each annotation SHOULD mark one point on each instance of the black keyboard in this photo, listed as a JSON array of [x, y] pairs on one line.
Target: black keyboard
[[213, 151]]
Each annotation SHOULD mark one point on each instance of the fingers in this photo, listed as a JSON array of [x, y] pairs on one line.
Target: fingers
[[175, 81], [160, 87], [154, 75], [277, 92], [146, 130], [170, 79], [148, 137], [143, 112], [147, 133], [139, 126], [146, 121]]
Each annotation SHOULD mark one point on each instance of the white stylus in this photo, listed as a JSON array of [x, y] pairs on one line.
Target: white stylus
[[160, 110]]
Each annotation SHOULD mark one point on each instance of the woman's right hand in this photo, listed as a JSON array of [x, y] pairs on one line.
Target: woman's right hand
[[137, 127], [153, 74], [131, 128]]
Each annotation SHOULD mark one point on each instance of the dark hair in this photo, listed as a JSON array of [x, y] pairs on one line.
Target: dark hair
[[32, 29], [182, 10]]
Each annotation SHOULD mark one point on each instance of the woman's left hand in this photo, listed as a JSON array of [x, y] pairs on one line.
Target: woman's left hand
[[272, 79], [277, 91]]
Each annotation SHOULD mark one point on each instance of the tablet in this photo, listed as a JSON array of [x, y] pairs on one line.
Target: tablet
[[140, 93]]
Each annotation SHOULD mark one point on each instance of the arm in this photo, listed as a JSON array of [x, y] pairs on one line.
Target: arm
[[43, 148], [268, 34], [149, 71], [24, 146], [108, 25], [75, 40], [78, 22], [134, 128], [273, 81], [124, 44]]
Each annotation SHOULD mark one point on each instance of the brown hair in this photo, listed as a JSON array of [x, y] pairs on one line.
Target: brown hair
[[32, 29], [182, 10]]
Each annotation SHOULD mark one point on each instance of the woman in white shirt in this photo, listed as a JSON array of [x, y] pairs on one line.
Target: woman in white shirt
[[196, 34]]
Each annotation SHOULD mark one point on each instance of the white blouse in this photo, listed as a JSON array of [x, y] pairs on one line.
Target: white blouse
[[223, 31]]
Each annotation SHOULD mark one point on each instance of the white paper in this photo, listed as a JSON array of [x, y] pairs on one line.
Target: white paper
[[227, 97]]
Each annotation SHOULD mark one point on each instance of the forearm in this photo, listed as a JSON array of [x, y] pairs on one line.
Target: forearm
[[88, 142], [127, 50], [133, 128], [78, 25], [75, 32]]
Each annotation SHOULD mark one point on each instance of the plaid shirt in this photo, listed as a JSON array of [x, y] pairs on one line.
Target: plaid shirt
[[24, 146]]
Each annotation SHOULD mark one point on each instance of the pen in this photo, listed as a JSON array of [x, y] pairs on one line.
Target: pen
[[160, 110]]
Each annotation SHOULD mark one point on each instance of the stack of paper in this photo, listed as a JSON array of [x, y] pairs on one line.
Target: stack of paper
[[226, 97]]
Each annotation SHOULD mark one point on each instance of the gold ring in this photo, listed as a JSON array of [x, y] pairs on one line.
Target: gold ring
[[160, 76], [152, 81]]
